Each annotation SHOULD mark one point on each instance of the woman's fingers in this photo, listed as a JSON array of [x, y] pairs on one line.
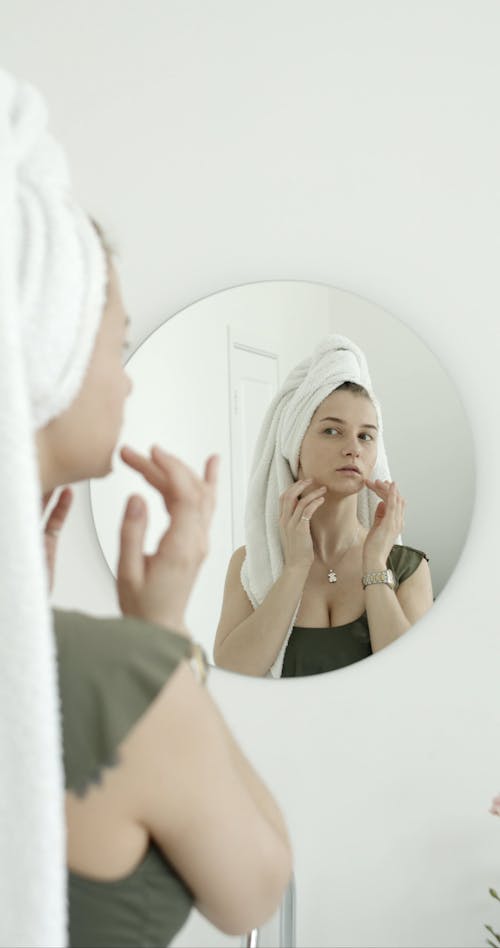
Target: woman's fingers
[[211, 472], [131, 564], [381, 488], [303, 504], [59, 512], [172, 478], [289, 497], [176, 472], [390, 510], [395, 505], [296, 489], [151, 472], [311, 508], [162, 468], [384, 489], [379, 513], [210, 482]]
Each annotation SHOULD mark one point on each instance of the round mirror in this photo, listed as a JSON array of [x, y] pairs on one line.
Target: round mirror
[[204, 379]]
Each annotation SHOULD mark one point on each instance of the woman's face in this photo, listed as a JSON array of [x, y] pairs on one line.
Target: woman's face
[[79, 443], [339, 449]]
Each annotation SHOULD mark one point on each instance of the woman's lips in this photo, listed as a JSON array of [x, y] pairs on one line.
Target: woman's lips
[[349, 470]]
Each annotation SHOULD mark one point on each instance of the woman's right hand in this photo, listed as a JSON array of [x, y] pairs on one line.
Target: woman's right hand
[[157, 587], [296, 510]]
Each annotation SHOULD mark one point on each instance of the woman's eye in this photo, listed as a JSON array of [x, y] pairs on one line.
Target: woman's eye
[[328, 430], [365, 436]]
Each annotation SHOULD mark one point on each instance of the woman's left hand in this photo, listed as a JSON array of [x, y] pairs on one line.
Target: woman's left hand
[[387, 525], [53, 526]]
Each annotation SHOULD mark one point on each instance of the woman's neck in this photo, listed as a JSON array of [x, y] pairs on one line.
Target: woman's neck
[[335, 526]]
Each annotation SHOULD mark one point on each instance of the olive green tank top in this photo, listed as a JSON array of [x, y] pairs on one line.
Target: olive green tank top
[[311, 651], [110, 670]]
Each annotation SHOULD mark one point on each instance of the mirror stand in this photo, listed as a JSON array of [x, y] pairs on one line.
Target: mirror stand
[[286, 922]]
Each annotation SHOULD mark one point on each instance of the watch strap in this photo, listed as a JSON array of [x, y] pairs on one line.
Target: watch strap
[[379, 576]]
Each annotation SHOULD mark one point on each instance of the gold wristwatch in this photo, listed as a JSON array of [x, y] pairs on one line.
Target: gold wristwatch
[[379, 576]]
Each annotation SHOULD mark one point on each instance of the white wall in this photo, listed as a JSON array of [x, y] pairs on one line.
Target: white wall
[[355, 144]]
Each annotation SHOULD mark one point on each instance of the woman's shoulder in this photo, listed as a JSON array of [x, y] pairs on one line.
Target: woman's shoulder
[[81, 637], [110, 671], [404, 560]]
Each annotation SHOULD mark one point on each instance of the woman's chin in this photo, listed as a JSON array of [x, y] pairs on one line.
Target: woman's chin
[[347, 488]]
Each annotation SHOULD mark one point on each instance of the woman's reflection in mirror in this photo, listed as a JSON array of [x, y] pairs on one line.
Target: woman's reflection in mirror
[[323, 579]]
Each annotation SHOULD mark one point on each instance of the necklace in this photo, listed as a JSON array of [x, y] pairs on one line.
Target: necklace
[[332, 576]]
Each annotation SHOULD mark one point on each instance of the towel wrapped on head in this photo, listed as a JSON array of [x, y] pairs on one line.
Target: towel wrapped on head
[[52, 290], [276, 460], [60, 263]]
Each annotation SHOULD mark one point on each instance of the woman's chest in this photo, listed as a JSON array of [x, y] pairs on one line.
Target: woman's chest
[[326, 604]]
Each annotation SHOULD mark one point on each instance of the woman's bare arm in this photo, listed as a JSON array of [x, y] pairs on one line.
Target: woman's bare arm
[[206, 808], [248, 640], [390, 613]]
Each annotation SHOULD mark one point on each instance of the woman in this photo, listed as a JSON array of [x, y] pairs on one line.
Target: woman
[[323, 581], [162, 808]]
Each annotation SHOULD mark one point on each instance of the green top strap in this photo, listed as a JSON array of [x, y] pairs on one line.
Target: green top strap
[[110, 671], [404, 560]]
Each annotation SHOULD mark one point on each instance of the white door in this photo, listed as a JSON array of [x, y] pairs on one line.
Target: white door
[[253, 379]]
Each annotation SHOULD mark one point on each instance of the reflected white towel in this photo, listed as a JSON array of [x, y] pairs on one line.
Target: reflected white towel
[[276, 459], [52, 285]]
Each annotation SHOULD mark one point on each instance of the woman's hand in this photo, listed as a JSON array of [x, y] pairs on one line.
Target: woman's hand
[[157, 587], [296, 510], [53, 526], [387, 525]]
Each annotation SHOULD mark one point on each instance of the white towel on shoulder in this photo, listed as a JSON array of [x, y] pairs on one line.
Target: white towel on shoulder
[[52, 286], [276, 459]]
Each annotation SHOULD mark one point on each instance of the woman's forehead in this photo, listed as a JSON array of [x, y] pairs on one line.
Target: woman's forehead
[[349, 406]]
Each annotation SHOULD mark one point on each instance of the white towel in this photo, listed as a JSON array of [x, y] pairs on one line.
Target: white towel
[[52, 285], [276, 459]]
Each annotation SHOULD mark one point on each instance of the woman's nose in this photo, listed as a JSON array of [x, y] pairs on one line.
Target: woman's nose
[[351, 447]]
